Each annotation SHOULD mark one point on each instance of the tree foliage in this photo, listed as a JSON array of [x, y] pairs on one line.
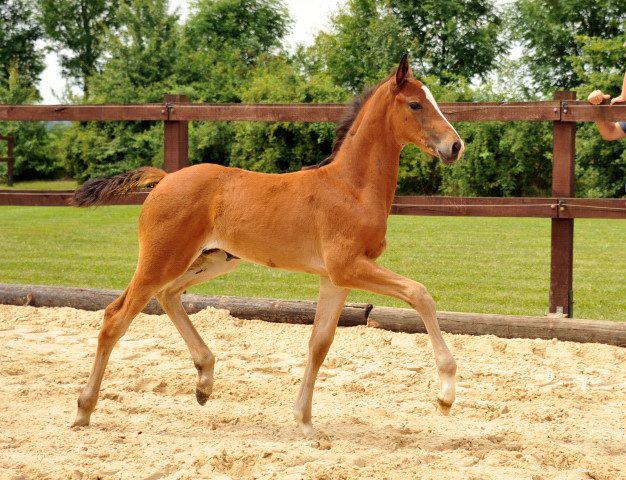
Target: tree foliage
[[550, 33], [76, 28], [252, 27], [142, 55], [364, 41], [19, 32], [33, 140], [21, 63], [141, 67], [447, 39], [284, 146], [600, 165], [453, 38]]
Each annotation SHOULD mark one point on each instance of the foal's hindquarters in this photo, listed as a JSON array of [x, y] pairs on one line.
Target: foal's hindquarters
[[172, 258]]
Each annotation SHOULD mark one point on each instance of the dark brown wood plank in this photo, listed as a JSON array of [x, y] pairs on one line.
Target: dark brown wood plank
[[175, 138], [45, 198], [501, 111], [474, 206], [83, 113], [497, 111], [582, 111], [575, 111], [258, 112], [334, 112], [614, 208], [58, 198], [403, 205]]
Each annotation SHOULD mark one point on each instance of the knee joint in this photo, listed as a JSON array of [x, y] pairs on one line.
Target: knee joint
[[420, 298]]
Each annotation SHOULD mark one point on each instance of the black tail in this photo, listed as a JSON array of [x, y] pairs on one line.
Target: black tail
[[100, 190]]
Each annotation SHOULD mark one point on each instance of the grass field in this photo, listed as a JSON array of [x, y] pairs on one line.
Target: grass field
[[484, 265], [41, 185]]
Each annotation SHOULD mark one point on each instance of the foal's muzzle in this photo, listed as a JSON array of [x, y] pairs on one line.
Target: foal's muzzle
[[449, 151]]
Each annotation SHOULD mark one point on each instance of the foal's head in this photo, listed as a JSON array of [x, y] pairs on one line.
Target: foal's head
[[416, 118]]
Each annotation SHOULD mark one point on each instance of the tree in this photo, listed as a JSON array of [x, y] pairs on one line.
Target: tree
[[140, 68], [223, 42], [600, 165], [278, 147], [364, 42], [142, 55], [500, 161], [149, 54], [33, 156], [551, 34], [78, 27], [251, 27], [19, 32], [453, 37], [448, 39]]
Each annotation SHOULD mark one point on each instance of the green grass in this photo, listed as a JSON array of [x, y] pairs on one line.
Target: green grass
[[41, 185], [484, 265]]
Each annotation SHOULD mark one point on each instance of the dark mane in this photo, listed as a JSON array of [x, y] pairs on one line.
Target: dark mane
[[353, 108]]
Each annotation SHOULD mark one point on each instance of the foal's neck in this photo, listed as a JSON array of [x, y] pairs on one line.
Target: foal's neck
[[369, 156]]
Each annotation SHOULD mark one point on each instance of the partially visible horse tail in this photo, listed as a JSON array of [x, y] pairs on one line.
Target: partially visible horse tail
[[100, 190]]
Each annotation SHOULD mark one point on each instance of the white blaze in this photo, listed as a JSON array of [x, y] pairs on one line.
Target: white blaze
[[431, 99]]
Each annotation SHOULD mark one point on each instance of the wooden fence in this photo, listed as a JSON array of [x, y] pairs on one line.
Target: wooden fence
[[562, 208]]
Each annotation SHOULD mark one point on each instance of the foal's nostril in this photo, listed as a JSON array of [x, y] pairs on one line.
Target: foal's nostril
[[456, 148]]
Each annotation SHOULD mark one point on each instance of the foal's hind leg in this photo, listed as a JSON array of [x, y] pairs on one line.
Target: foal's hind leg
[[329, 307], [206, 267], [117, 317]]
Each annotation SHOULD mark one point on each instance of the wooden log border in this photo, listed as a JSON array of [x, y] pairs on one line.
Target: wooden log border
[[353, 314], [270, 310]]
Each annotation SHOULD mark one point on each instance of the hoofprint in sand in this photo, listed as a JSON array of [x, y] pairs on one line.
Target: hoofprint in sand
[[526, 409]]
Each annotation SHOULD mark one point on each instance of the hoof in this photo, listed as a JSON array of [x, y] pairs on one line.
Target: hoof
[[201, 397], [81, 421], [306, 427], [443, 406], [307, 430]]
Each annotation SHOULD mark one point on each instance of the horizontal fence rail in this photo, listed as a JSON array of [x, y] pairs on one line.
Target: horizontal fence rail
[[562, 208], [564, 111], [83, 113], [535, 207]]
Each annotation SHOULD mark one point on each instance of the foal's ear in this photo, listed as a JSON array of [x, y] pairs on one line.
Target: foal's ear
[[403, 73]]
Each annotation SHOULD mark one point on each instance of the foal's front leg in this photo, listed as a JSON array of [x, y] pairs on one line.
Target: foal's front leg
[[329, 307], [365, 274]]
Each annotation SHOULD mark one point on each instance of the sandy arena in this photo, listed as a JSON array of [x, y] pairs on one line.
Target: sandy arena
[[526, 409]]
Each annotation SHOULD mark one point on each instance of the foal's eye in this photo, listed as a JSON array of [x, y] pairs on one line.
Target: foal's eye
[[415, 106]]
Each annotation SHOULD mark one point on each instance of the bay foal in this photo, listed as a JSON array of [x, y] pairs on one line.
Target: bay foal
[[202, 221]]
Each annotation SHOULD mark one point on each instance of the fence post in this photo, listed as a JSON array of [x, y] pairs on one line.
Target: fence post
[[563, 181], [175, 138]]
